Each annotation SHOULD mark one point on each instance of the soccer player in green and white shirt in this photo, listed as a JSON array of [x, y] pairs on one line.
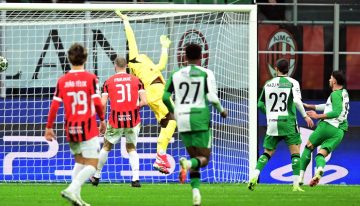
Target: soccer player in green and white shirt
[[194, 87], [331, 128], [279, 100]]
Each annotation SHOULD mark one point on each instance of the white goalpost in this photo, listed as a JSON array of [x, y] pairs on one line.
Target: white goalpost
[[35, 37]]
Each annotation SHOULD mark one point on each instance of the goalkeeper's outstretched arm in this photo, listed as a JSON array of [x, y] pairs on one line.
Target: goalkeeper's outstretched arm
[[165, 43], [133, 50]]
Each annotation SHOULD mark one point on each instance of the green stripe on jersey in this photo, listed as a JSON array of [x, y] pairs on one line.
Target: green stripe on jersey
[[280, 107], [191, 105]]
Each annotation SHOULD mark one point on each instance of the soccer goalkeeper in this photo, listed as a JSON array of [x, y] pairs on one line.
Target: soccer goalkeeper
[[150, 74]]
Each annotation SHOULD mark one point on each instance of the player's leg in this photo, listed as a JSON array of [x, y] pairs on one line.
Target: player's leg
[[270, 143], [294, 141], [167, 123], [111, 137], [88, 157], [165, 118], [79, 165], [199, 158], [103, 156], [295, 164], [305, 160], [131, 135], [198, 145], [315, 139], [320, 164], [168, 126], [334, 137]]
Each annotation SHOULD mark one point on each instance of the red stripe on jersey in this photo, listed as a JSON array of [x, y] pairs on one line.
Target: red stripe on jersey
[[76, 90], [123, 92]]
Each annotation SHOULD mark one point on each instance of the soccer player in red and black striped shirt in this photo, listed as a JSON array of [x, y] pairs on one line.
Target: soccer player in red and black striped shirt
[[124, 91], [78, 90]]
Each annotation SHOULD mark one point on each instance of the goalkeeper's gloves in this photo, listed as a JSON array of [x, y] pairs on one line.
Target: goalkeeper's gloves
[[122, 16], [165, 41]]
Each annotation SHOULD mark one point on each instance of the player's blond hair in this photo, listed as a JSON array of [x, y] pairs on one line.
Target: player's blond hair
[[120, 62]]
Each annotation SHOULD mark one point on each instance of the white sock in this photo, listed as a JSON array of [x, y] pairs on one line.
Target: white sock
[[79, 180], [301, 176], [103, 156], [296, 180], [134, 162], [196, 191], [162, 152], [188, 164], [256, 173], [77, 168]]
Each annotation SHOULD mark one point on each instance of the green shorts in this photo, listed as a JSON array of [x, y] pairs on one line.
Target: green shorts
[[326, 135], [270, 142], [200, 139]]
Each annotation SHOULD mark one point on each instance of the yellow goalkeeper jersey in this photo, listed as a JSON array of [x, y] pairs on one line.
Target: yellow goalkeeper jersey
[[140, 64], [146, 70]]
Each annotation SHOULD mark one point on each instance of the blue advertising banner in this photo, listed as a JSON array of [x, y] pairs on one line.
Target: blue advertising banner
[[25, 155], [341, 166]]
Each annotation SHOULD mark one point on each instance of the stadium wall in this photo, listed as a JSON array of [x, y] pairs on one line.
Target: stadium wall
[[308, 47]]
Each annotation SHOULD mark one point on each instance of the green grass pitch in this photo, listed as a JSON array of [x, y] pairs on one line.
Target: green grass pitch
[[16, 194]]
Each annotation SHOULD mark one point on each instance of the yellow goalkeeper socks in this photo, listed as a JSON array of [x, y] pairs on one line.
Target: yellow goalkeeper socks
[[165, 136]]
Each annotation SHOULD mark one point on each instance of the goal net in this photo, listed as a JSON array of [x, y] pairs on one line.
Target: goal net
[[35, 40]]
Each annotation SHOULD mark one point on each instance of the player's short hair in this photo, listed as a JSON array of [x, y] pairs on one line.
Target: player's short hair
[[193, 51], [77, 54], [340, 77], [282, 65], [120, 62]]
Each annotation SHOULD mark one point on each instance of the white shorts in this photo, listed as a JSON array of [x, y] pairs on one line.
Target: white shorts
[[113, 135], [88, 149]]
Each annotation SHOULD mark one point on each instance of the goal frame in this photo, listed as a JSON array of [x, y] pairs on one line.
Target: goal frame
[[253, 70]]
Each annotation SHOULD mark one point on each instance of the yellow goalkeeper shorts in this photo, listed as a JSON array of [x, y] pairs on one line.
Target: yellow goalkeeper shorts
[[154, 95]]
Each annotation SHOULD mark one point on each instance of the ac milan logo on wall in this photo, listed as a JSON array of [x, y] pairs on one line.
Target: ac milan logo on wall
[[283, 44], [193, 36]]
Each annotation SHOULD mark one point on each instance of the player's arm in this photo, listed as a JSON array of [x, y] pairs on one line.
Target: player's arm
[[336, 102], [55, 104], [95, 96], [104, 96], [165, 43], [320, 107], [143, 100], [317, 107], [212, 93], [299, 104], [297, 99], [261, 102], [133, 49], [169, 89]]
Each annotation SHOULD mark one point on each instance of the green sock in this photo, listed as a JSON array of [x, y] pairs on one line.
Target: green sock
[[195, 182], [295, 164], [263, 159], [194, 163], [320, 161], [305, 159]]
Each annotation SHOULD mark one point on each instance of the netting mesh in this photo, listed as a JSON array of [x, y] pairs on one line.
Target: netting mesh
[[35, 44]]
